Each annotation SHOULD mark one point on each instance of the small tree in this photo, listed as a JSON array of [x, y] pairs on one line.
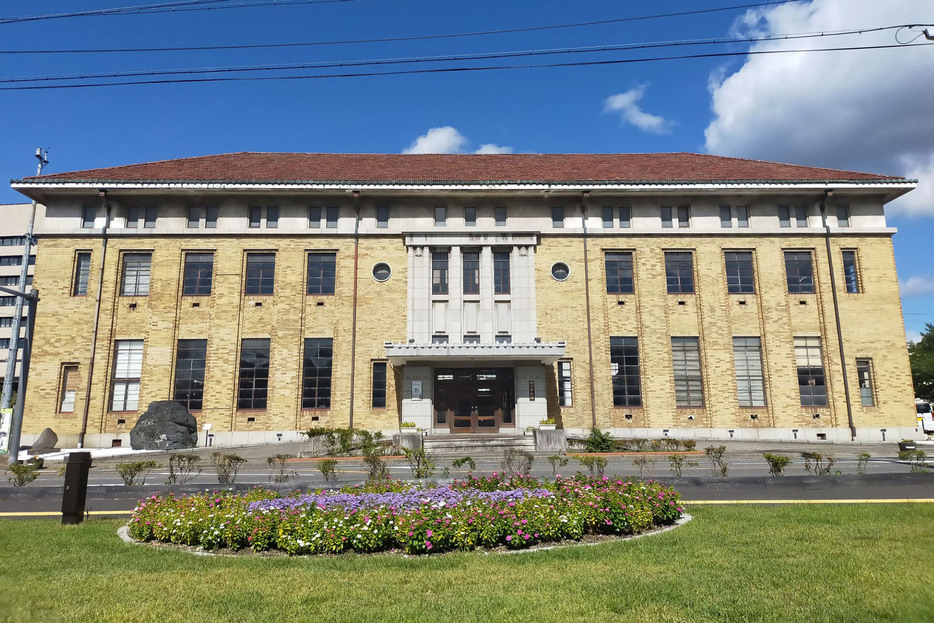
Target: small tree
[[183, 468], [227, 466], [596, 464], [21, 474], [518, 462], [279, 463], [423, 466], [328, 469], [921, 356], [557, 461], [717, 464], [135, 472], [777, 463]]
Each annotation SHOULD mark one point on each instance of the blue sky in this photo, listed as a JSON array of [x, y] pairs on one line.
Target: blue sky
[[864, 110]]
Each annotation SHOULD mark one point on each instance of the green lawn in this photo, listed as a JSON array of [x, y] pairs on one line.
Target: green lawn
[[837, 563]]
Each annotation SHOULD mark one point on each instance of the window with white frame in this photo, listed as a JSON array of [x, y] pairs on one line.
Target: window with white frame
[[69, 388], [564, 383], [136, 276], [864, 373], [811, 381], [685, 358], [747, 360], [128, 370]]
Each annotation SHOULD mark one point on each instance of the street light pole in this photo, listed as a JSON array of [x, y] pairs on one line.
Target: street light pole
[[6, 396]]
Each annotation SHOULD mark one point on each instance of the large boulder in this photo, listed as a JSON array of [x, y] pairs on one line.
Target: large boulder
[[166, 425], [45, 443]]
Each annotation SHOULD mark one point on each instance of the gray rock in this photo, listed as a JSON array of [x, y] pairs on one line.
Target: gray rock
[[166, 425], [45, 443]]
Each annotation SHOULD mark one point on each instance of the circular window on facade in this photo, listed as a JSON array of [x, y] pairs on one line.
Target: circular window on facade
[[382, 272], [560, 271]]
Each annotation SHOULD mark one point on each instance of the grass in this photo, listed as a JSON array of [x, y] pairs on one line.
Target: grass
[[749, 563]]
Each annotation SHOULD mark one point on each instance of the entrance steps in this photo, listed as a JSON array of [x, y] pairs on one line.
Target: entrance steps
[[478, 444]]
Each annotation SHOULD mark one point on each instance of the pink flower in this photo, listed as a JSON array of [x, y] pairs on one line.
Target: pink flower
[[429, 534], [509, 538]]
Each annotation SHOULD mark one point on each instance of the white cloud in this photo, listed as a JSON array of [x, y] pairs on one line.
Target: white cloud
[[443, 140], [916, 286], [913, 336], [448, 140], [490, 148], [627, 105], [866, 110]]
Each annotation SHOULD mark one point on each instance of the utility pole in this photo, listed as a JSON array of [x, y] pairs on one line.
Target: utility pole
[[6, 396]]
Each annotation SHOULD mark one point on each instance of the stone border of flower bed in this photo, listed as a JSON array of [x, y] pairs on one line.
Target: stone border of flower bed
[[124, 533]]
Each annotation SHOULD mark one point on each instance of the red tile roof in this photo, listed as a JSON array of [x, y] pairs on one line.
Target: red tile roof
[[446, 168]]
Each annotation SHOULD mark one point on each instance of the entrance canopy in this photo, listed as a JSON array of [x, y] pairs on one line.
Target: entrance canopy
[[486, 354]]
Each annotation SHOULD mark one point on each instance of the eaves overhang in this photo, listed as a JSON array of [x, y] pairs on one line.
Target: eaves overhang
[[40, 189], [485, 354]]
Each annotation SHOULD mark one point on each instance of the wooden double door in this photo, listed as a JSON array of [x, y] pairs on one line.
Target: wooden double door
[[474, 400]]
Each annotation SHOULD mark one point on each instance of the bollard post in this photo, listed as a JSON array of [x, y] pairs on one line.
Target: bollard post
[[75, 493]]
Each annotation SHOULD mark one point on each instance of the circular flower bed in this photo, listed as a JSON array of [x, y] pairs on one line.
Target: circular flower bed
[[516, 512]]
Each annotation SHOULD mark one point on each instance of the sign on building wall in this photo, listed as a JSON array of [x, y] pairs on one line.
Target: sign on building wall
[[416, 390]]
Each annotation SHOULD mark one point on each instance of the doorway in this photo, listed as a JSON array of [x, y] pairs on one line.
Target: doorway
[[474, 400]]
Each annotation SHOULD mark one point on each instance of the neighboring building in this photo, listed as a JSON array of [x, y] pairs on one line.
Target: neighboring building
[[14, 221], [648, 294]]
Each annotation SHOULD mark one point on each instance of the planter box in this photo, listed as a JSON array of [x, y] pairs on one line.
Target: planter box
[[547, 426]]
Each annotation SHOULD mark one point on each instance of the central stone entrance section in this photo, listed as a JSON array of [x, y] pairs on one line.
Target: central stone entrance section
[[474, 400]]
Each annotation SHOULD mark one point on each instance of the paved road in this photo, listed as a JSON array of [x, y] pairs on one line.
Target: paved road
[[884, 477]]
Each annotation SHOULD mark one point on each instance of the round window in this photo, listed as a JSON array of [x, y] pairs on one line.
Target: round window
[[560, 271], [382, 272]]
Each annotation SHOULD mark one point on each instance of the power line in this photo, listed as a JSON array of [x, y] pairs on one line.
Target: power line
[[457, 69], [445, 58], [479, 33], [178, 6], [199, 5]]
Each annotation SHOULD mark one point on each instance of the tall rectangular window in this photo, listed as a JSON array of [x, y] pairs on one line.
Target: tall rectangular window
[[378, 392], [557, 216], [801, 216], [747, 359], [666, 216], [679, 272], [314, 218], [742, 216], [471, 261], [684, 216], [253, 384], [79, 285], [619, 277], [256, 216], [850, 272], [210, 217], [811, 382], [624, 371], [382, 217], [260, 273], [316, 373], [441, 216], [689, 384], [470, 217], [88, 214], [625, 217], [128, 369], [272, 217], [843, 216], [69, 388], [564, 383], [799, 272], [726, 217], [133, 214], [199, 269], [151, 214], [740, 278], [332, 215], [864, 373], [607, 217], [136, 274], [499, 215], [322, 273], [439, 272], [194, 217], [501, 274], [190, 362], [784, 216]]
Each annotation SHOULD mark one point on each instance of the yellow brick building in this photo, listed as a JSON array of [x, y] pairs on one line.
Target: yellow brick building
[[647, 294]]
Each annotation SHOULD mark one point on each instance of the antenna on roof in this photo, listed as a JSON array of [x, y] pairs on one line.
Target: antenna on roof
[[43, 156]]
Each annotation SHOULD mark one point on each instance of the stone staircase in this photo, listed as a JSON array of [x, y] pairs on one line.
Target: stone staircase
[[475, 445]]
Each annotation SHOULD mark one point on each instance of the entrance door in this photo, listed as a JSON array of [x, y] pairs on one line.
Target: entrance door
[[473, 400]]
